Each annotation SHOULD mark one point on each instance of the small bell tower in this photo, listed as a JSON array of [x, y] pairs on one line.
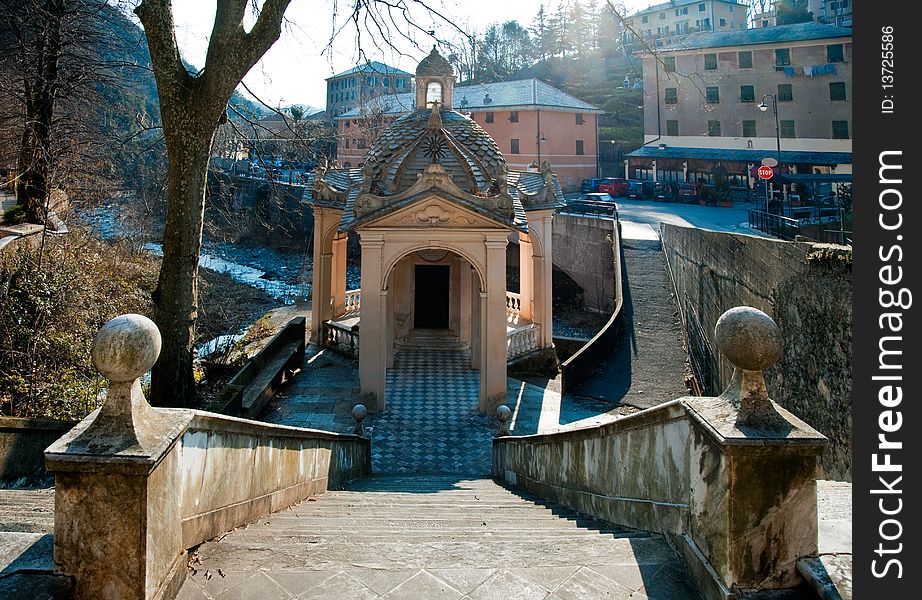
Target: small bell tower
[[435, 81]]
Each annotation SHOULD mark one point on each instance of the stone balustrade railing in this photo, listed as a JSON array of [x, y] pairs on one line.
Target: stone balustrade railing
[[136, 486], [353, 302], [523, 340], [513, 306], [731, 479], [341, 338]]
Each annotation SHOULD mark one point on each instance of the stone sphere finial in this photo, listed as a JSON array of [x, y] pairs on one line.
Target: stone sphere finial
[[749, 338], [359, 412], [126, 347], [503, 413]]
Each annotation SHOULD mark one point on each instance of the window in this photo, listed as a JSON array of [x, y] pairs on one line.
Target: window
[[662, 16], [835, 53], [706, 24], [710, 62], [669, 63], [348, 124], [714, 128], [840, 130], [787, 129], [723, 22], [400, 83], [785, 92], [372, 80], [672, 96], [386, 81], [579, 147], [837, 90], [730, 7], [672, 127], [514, 116], [747, 93], [749, 129], [489, 118], [782, 57], [681, 11], [712, 94], [514, 146], [645, 19], [347, 143], [701, 7], [580, 119], [433, 92]]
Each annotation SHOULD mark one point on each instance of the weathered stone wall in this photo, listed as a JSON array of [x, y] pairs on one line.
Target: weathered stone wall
[[22, 447], [582, 249], [807, 289]]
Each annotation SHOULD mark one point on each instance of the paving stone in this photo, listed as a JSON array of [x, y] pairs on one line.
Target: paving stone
[[464, 580], [587, 584], [382, 581], [548, 578], [505, 585], [423, 585], [258, 586], [298, 582], [29, 586], [340, 586]]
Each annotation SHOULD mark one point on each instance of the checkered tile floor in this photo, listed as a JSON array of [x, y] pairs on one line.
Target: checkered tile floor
[[431, 423]]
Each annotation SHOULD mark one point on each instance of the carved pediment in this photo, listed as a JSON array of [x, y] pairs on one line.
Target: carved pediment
[[437, 213]]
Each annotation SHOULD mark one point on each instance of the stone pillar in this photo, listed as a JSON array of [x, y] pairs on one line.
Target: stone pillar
[[338, 274], [477, 299], [372, 357], [543, 276], [753, 470], [322, 277], [493, 375], [465, 274], [526, 276], [117, 524]]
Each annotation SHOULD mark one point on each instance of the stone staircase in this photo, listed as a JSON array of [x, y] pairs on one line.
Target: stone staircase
[[434, 537]]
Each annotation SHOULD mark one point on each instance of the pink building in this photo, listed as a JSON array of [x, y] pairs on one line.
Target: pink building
[[530, 120]]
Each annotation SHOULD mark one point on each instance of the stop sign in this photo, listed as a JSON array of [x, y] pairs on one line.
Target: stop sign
[[766, 172]]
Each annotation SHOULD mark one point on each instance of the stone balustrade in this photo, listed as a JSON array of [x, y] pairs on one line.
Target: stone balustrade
[[341, 338], [513, 307], [135, 486], [523, 340], [353, 301], [731, 479]]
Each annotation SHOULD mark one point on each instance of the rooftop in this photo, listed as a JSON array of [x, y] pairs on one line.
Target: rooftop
[[372, 67], [678, 4], [761, 35], [504, 94]]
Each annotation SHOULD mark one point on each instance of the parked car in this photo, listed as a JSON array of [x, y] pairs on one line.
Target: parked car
[[595, 197], [689, 192], [614, 186], [589, 186], [663, 191], [640, 190]]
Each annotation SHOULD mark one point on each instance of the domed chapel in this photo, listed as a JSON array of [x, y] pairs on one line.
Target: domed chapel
[[434, 207]]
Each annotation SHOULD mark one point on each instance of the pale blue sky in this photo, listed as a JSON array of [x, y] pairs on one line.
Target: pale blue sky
[[293, 71]]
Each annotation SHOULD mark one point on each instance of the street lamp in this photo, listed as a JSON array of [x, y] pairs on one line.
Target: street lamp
[[764, 107]]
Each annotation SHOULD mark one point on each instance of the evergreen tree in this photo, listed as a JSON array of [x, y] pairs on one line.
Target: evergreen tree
[[541, 31], [790, 12]]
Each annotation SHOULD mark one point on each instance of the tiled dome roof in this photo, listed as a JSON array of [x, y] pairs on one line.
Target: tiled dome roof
[[412, 142], [434, 65]]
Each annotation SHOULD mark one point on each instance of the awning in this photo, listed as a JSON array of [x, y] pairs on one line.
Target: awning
[[817, 178], [747, 156]]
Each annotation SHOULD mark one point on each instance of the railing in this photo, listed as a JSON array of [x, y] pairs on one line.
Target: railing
[[353, 302], [591, 207], [341, 338], [513, 306], [776, 225], [522, 341]]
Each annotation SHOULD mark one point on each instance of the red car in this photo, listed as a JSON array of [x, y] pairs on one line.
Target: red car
[[689, 191], [613, 186]]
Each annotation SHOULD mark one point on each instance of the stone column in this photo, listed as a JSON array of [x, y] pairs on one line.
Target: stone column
[[372, 358], [464, 310], [477, 299], [321, 292], [493, 375], [753, 470], [543, 275], [338, 274], [117, 524], [526, 276]]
